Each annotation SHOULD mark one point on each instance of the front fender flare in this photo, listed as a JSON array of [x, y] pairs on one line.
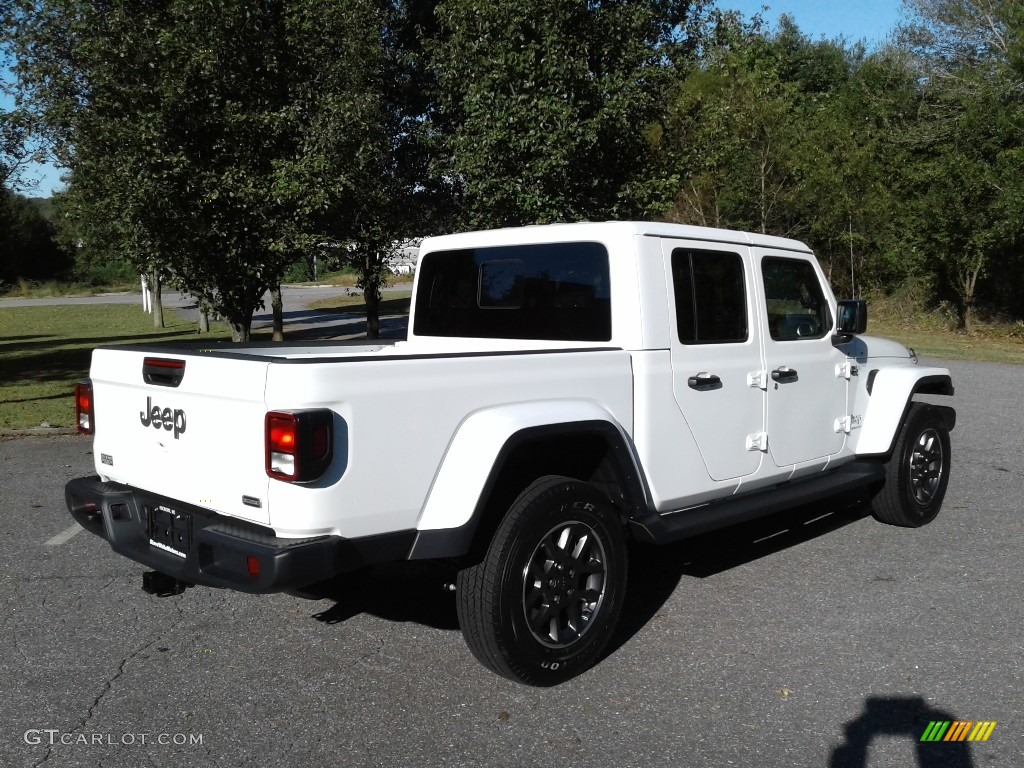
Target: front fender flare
[[892, 390]]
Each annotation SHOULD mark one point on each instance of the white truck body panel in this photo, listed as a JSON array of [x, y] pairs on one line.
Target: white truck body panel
[[401, 416], [218, 458], [721, 420]]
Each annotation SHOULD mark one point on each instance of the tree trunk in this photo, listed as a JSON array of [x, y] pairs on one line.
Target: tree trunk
[[204, 319], [967, 306], [240, 327], [371, 295], [967, 318], [372, 280], [277, 304], [158, 306], [764, 192], [968, 283]]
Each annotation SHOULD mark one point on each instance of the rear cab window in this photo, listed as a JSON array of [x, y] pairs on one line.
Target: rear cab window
[[553, 291]]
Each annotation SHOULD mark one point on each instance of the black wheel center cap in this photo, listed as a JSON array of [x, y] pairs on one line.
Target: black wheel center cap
[[561, 582]]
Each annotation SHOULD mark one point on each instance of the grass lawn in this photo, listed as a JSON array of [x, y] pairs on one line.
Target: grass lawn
[[392, 303], [45, 350], [988, 345]]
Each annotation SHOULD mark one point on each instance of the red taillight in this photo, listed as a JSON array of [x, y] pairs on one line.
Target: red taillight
[[298, 444], [282, 429], [85, 420], [282, 433], [252, 564]]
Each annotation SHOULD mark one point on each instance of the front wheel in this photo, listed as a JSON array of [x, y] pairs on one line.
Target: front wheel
[[542, 605], [917, 472]]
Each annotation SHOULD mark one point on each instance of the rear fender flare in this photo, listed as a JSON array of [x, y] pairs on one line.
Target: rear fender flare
[[475, 457]]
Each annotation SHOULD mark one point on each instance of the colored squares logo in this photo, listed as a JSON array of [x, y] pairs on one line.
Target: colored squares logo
[[958, 730]]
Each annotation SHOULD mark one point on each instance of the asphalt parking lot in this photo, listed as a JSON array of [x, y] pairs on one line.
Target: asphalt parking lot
[[818, 638]]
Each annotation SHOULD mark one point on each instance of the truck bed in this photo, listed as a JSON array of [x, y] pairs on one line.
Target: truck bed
[[396, 409]]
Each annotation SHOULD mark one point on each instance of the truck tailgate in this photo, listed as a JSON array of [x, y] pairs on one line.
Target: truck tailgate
[[186, 426]]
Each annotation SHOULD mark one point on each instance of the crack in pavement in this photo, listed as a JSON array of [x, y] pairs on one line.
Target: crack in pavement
[[108, 685], [375, 652], [17, 645]]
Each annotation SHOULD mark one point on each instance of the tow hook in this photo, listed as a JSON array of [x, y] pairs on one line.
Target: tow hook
[[162, 585]]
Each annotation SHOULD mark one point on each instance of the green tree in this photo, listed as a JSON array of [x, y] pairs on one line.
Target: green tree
[[741, 124], [968, 195], [204, 144], [370, 155], [28, 246], [549, 104], [856, 161], [15, 152], [969, 141]]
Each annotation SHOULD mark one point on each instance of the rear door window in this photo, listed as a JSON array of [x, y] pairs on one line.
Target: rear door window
[[711, 301]]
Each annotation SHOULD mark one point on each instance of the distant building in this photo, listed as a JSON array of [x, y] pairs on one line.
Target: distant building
[[404, 256]]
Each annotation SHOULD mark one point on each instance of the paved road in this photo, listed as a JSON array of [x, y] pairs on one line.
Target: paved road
[[833, 643], [300, 320]]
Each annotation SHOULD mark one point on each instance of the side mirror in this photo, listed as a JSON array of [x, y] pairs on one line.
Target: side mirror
[[853, 317]]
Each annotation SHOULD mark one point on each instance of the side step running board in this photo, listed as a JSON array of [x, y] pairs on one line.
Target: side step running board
[[662, 528]]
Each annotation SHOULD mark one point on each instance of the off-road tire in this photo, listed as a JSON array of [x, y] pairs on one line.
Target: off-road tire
[[544, 601], [917, 472]]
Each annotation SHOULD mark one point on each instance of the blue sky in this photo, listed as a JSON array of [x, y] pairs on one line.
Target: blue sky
[[868, 20]]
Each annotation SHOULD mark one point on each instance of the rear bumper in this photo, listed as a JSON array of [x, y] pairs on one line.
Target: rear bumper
[[218, 551]]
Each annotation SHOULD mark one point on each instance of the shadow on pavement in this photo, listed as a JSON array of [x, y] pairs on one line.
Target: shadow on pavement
[[899, 716], [655, 571], [420, 592], [405, 591], [393, 328]]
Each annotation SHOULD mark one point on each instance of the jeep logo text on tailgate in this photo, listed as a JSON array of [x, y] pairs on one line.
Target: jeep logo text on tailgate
[[165, 418]]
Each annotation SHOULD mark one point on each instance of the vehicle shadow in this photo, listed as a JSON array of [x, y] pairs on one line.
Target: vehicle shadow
[[421, 592], [655, 571], [413, 591]]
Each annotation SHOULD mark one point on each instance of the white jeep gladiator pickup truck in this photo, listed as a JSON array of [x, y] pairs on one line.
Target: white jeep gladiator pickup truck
[[563, 389]]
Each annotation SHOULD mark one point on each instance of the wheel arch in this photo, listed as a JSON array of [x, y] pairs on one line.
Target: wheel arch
[[593, 448]]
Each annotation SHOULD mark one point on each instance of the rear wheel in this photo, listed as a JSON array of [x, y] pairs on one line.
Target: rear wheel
[[542, 605], [917, 472]]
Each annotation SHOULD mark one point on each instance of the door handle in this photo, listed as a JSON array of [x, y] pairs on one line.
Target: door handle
[[704, 381], [784, 374]]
